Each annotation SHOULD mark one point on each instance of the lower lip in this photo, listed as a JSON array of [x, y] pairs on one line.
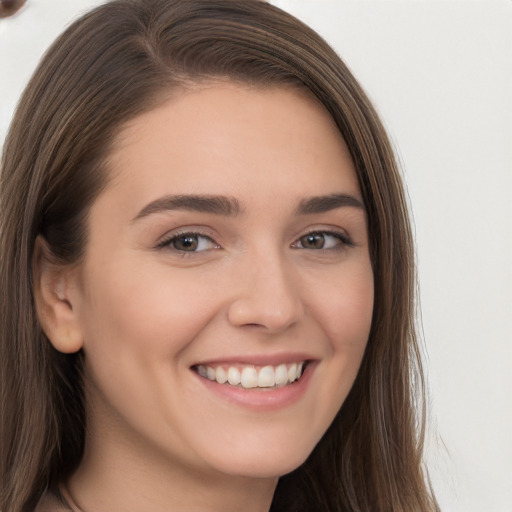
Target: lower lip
[[262, 399]]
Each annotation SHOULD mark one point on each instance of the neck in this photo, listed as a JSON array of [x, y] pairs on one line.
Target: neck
[[94, 493], [120, 471]]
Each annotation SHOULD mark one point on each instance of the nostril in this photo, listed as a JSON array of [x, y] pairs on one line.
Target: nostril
[[10, 7]]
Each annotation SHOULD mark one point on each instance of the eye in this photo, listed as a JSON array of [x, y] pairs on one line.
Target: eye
[[189, 242], [323, 240]]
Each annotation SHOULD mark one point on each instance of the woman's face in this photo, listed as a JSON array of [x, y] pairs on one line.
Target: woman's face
[[231, 243]]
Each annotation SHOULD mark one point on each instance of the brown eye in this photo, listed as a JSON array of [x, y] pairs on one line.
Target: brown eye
[[313, 241], [323, 240], [9, 7], [189, 242]]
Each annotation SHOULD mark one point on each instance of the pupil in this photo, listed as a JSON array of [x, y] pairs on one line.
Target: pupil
[[314, 241], [186, 243]]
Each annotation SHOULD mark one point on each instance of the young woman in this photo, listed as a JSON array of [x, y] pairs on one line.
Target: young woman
[[207, 276]]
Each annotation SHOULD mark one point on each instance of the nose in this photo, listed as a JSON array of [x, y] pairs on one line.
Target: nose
[[266, 295]]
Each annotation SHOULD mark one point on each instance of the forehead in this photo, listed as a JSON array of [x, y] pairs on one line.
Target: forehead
[[230, 139]]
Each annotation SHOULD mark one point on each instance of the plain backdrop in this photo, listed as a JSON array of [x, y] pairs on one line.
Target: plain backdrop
[[440, 74]]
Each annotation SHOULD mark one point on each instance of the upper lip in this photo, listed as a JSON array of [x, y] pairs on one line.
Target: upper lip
[[258, 359]]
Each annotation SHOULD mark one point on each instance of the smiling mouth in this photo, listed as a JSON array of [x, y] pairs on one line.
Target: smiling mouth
[[253, 377]]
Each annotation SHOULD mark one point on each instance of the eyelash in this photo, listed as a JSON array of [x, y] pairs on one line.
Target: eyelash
[[344, 241], [169, 241]]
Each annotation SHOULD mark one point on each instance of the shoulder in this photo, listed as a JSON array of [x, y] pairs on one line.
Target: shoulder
[[51, 503]]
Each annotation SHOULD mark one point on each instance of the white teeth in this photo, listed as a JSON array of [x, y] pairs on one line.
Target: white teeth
[[292, 372], [249, 377], [267, 377], [210, 373], [281, 375], [220, 375], [233, 376]]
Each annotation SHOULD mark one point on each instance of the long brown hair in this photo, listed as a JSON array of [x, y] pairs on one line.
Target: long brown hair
[[116, 62]]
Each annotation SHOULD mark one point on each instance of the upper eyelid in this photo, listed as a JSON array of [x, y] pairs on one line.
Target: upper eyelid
[[332, 231], [341, 234], [166, 239], [325, 229]]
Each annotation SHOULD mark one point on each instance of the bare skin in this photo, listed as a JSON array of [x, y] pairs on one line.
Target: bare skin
[[272, 269]]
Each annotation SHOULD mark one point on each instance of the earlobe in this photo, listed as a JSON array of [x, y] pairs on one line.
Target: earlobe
[[54, 305]]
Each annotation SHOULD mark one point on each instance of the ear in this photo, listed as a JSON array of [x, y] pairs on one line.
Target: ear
[[54, 287]]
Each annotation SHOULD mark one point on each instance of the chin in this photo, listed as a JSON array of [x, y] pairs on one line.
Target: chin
[[264, 464]]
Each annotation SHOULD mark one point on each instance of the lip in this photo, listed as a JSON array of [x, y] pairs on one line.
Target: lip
[[258, 359], [262, 399]]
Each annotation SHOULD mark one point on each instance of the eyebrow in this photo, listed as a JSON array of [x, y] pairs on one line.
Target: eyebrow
[[219, 205], [322, 204], [230, 206]]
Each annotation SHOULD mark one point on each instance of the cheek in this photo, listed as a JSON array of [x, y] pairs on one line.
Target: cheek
[[144, 309], [137, 325], [343, 309], [346, 319], [346, 309]]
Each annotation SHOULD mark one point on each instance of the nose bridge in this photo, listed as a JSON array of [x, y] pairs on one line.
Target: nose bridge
[[267, 293]]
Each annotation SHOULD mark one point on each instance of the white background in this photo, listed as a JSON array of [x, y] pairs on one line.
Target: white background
[[440, 73]]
